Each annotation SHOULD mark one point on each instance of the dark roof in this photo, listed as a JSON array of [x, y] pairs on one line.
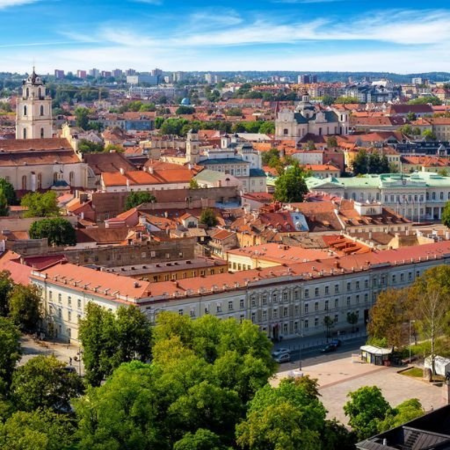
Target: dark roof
[[431, 431], [257, 173]]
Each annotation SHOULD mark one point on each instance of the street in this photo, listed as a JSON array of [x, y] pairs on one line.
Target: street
[[313, 356]]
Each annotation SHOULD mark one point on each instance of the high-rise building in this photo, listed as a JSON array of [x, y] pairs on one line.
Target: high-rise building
[[59, 74], [130, 72], [106, 74], [117, 73], [417, 80], [94, 73], [178, 76], [307, 79], [34, 110], [81, 74]]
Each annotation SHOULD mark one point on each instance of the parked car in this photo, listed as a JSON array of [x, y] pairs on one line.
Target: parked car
[[329, 348], [282, 358], [336, 342], [280, 351]]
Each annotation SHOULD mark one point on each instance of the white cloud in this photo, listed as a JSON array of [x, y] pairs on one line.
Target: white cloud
[[149, 2], [10, 3]]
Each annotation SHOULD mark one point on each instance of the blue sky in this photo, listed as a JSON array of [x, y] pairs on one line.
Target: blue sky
[[304, 35]]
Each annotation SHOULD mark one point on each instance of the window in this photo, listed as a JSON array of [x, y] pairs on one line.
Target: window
[[264, 315], [348, 301], [394, 279], [192, 312], [366, 297], [316, 306], [25, 110], [78, 318], [253, 302], [336, 303], [336, 318], [285, 296], [316, 292], [274, 297], [264, 299], [230, 306], [402, 277], [71, 178], [295, 327], [275, 313], [241, 303], [39, 181], [60, 313], [306, 293], [326, 305], [285, 312], [253, 317], [296, 294], [219, 308], [59, 298], [357, 285], [50, 295], [336, 288], [366, 284], [357, 298], [69, 316], [79, 303], [296, 310], [306, 324], [316, 322], [349, 286], [306, 308], [327, 290], [69, 301], [24, 180], [409, 276]]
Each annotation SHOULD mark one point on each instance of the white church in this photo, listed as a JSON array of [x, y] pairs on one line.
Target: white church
[[306, 119], [35, 160]]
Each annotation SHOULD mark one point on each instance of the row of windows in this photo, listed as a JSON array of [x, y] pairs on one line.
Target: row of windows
[[69, 299], [41, 110], [56, 177]]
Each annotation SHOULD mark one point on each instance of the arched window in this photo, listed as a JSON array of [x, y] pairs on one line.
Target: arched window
[[24, 133], [24, 183], [55, 177], [285, 131], [39, 181], [24, 110], [71, 178], [28, 92], [42, 133], [42, 110], [39, 93]]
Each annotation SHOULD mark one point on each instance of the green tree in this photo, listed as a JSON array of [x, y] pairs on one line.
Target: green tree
[[429, 135], [36, 430], [291, 186], [289, 417], [361, 163], [137, 198], [109, 340], [270, 156], [43, 382], [267, 128], [208, 217], [57, 231], [10, 351], [4, 207], [327, 100], [352, 319], [193, 184], [6, 286], [147, 107], [8, 190], [406, 129], [184, 110], [332, 142], [25, 307], [405, 412], [365, 409], [114, 148], [41, 205], [310, 145], [446, 215], [411, 117], [234, 112], [431, 100], [86, 146], [347, 100], [82, 118], [430, 297], [200, 440], [389, 316]]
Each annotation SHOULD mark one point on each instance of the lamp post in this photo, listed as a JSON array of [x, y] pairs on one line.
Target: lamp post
[[410, 323]]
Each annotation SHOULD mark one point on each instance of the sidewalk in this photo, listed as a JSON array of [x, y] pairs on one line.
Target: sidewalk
[[316, 341]]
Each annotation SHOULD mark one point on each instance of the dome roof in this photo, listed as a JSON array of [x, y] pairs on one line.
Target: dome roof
[[185, 102]]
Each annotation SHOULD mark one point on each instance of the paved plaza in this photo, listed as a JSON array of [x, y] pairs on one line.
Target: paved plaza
[[338, 378]]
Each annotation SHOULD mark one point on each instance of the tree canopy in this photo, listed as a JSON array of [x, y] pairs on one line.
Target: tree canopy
[[137, 198], [208, 217], [10, 351], [291, 186], [25, 307], [370, 163], [57, 231], [41, 205], [8, 190]]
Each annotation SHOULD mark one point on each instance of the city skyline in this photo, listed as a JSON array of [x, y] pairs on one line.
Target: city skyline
[[303, 35]]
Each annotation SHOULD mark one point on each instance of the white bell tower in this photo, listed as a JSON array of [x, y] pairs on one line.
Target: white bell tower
[[192, 147], [34, 110]]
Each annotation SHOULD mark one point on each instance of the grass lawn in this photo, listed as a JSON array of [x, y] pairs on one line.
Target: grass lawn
[[414, 372]]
